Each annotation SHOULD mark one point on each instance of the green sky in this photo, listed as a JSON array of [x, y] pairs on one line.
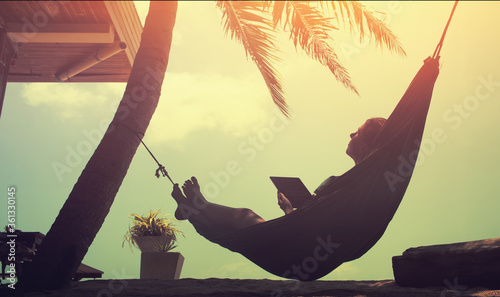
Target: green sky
[[215, 109]]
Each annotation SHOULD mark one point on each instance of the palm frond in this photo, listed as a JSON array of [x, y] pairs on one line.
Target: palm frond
[[368, 24], [278, 8], [309, 30], [244, 21]]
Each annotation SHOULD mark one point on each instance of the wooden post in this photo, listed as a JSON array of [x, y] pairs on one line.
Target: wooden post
[[6, 54]]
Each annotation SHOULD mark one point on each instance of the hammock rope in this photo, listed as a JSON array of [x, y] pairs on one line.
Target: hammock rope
[[161, 169], [440, 44]]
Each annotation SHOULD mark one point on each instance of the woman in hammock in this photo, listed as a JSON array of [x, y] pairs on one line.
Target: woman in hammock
[[194, 207]]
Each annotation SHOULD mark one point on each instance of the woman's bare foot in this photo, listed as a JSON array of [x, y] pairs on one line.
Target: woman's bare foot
[[191, 189], [193, 201], [182, 203]]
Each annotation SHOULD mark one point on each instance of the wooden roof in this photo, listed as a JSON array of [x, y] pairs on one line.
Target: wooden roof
[[53, 36]]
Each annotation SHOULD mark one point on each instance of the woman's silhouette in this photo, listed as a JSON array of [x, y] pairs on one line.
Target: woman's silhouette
[[193, 206]]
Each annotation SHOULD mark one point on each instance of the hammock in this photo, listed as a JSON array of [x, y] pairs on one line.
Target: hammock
[[350, 215]]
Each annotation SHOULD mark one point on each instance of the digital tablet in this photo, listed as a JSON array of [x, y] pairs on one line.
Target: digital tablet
[[293, 189]]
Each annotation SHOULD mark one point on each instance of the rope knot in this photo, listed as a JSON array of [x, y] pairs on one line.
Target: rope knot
[[163, 171]]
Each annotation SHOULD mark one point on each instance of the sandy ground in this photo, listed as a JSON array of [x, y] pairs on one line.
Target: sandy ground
[[250, 287]]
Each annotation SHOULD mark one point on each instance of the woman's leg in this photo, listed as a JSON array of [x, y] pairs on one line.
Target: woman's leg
[[196, 208]]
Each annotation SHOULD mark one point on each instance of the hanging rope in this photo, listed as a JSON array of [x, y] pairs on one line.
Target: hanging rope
[[161, 169], [440, 44]]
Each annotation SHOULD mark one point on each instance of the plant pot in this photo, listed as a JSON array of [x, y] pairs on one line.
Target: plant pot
[[161, 265], [147, 243]]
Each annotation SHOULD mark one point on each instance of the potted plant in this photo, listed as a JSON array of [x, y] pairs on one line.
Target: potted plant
[[151, 231], [155, 236]]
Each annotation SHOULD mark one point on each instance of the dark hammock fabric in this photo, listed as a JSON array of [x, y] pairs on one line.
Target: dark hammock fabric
[[351, 214]]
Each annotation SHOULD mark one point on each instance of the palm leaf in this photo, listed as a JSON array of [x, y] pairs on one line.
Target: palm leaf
[[309, 30], [368, 24], [244, 21], [278, 8]]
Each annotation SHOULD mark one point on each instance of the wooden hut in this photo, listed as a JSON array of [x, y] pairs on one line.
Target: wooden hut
[[67, 41]]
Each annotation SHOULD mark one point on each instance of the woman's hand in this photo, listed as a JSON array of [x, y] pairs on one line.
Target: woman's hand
[[284, 203]]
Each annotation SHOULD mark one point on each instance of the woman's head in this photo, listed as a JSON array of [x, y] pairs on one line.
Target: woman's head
[[362, 140]]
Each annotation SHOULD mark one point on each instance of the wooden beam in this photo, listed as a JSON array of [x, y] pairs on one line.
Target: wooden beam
[[100, 56], [60, 33]]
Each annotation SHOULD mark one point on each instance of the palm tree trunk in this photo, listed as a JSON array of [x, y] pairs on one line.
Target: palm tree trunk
[[89, 202]]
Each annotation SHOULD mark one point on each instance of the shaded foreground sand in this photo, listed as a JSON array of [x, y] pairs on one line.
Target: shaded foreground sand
[[250, 287]]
